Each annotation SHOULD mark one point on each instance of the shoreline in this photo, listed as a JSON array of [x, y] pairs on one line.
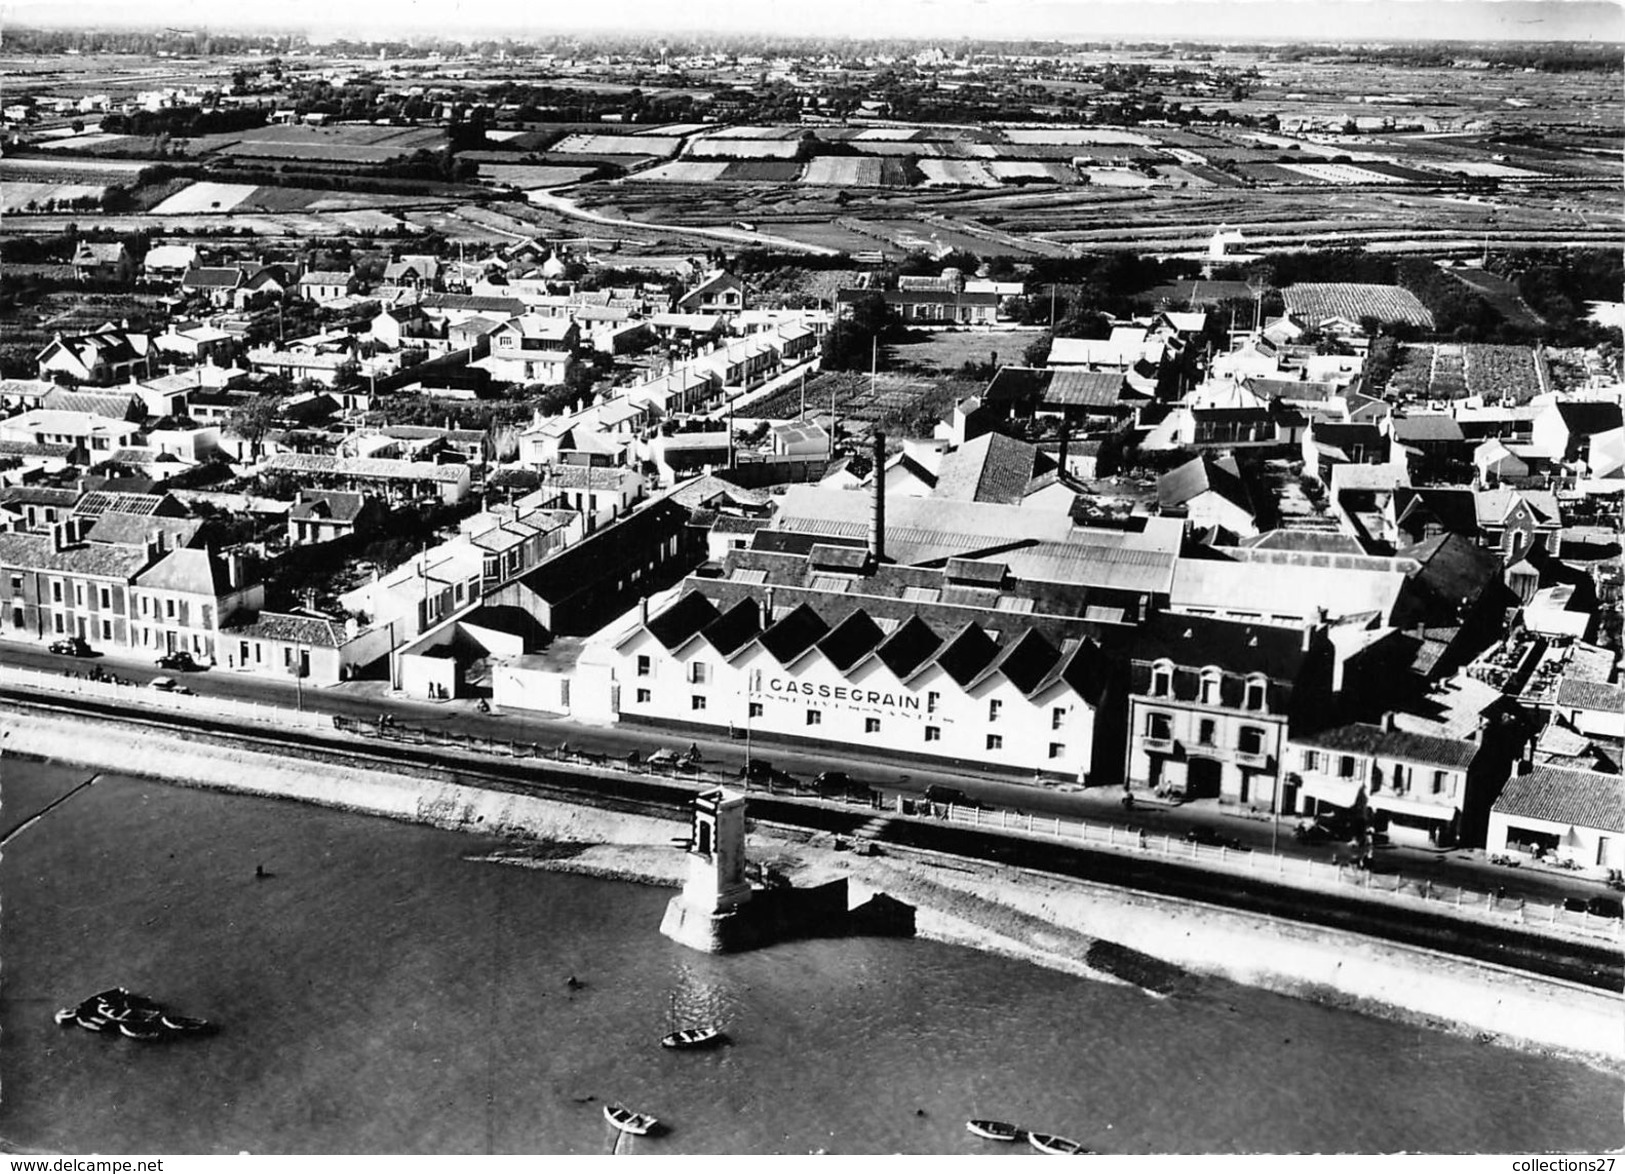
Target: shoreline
[[1086, 930]]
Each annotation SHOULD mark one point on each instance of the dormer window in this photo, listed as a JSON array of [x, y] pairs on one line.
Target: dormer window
[[1210, 686], [1162, 679]]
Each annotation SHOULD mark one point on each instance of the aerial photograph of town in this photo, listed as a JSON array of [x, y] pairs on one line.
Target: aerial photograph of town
[[946, 578]]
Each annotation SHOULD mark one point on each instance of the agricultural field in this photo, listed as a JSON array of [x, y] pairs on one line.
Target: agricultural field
[[845, 172], [957, 173], [683, 172], [84, 142], [1501, 294], [1339, 173], [343, 143], [526, 176], [718, 148], [205, 197], [762, 171], [1314, 301], [22, 196], [591, 144], [216, 198]]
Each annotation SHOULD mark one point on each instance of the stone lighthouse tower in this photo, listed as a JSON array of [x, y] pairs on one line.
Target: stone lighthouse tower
[[716, 889]]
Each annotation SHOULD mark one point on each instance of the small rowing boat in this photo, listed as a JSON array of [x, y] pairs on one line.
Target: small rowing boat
[[693, 1037], [627, 1121], [144, 1030], [994, 1130], [1049, 1143]]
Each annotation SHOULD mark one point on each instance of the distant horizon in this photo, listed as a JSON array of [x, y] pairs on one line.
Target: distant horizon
[[1236, 22]]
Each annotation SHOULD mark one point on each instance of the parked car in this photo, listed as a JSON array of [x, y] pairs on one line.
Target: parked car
[[1605, 907], [72, 646], [1214, 839], [180, 662], [167, 685], [832, 782], [1574, 904], [953, 795]]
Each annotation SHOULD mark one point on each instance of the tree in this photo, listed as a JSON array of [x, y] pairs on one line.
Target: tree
[[1036, 353], [851, 344], [256, 418]]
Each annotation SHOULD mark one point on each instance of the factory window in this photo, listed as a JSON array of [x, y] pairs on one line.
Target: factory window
[[993, 708], [995, 741], [698, 673], [755, 709], [931, 700], [933, 733], [871, 725], [1057, 717], [1057, 749], [643, 666], [696, 702], [645, 696], [815, 717]]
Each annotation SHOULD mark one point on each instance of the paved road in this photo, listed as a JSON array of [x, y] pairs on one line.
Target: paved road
[[366, 700]]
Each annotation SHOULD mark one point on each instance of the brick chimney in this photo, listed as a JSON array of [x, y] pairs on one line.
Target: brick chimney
[[877, 525]]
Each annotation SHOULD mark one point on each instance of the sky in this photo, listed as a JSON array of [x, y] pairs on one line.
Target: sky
[[1236, 20]]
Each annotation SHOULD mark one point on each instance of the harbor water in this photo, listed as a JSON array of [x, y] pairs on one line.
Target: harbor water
[[381, 990]]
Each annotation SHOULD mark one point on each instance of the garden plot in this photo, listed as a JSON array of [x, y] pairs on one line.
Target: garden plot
[[205, 197], [742, 149], [843, 172], [1063, 137], [1181, 177], [676, 129], [957, 173], [682, 172], [1340, 173], [1185, 156], [616, 145], [745, 132]]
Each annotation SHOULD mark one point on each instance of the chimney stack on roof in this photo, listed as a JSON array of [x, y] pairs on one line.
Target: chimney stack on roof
[[877, 527]]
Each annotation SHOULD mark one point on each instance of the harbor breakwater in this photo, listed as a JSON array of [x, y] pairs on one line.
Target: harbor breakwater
[[1047, 920]]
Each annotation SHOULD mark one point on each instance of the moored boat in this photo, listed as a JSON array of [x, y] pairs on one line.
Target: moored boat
[[66, 1016], [1050, 1143], [146, 1029], [694, 1037], [627, 1121], [994, 1130], [184, 1024], [91, 1022]]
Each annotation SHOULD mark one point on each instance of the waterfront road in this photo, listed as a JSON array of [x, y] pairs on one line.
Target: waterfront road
[[891, 774], [1595, 964]]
